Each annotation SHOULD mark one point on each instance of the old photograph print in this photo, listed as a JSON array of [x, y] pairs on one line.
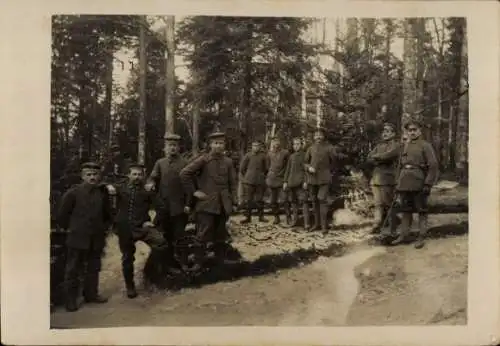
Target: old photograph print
[[265, 171]]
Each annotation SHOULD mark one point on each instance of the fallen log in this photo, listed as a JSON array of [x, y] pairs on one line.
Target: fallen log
[[453, 200]]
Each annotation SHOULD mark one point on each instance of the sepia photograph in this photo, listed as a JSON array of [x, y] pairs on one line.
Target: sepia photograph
[[258, 171]]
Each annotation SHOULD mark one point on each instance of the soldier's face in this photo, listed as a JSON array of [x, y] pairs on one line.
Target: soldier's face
[[255, 147], [297, 145], [388, 133], [218, 145], [414, 131], [319, 136], [275, 145], [135, 175], [91, 176], [171, 148]]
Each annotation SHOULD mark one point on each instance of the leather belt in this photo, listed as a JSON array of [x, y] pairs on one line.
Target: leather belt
[[411, 167]]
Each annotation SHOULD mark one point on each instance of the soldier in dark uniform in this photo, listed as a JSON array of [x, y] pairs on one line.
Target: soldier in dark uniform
[[277, 158], [384, 157], [294, 181], [133, 223], [172, 206], [85, 211], [253, 170], [211, 180], [319, 164], [418, 172]]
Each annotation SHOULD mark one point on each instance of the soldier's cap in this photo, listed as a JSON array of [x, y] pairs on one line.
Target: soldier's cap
[[258, 142], [390, 126], [320, 129], [414, 122], [216, 135], [135, 165], [91, 165], [172, 137]]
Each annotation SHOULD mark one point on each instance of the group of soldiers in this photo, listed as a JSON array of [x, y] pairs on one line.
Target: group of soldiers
[[207, 187]]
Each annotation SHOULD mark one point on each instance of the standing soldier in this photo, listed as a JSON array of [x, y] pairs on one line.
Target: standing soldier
[[211, 180], [133, 223], [253, 170], [172, 208], [85, 211], [418, 171], [294, 181], [385, 159], [319, 163], [277, 159]]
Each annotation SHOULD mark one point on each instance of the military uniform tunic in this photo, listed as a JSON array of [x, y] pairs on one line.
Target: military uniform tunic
[[277, 166], [253, 170], [418, 168], [385, 158], [85, 211], [214, 175]]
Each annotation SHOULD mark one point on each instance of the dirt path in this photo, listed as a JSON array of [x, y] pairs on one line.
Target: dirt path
[[371, 285]]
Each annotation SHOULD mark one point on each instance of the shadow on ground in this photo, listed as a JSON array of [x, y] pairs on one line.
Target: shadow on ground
[[268, 264]]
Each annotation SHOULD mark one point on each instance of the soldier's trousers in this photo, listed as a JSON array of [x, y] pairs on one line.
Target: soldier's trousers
[[151, 236], [84, 263], [253, 197], [210, 230], [173, 227], [297, 196], [277, 197], [318, 194]]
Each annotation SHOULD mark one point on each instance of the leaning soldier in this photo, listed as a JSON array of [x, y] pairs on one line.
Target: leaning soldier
[[418, 172], [294, 181], [133, 224], [384, 157], [172, 207], [319, 163], [210, 180], [85, 211], [277, 158], [253, 170]]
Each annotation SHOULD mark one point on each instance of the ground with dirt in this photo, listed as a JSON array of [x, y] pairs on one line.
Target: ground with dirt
[[364, 285]]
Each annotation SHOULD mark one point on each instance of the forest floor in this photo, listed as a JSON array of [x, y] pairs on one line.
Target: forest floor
[[302, 278]]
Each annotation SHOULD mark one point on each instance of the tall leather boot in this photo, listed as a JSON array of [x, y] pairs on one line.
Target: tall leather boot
[[380, 215], [316, 217], [128, 275], [422, 230], [261, 213], [323, 215], [392, 224], [288, 213], [248, 215], [405, 229], [276, 214], [295, 215], [72, 289], [307, 216]]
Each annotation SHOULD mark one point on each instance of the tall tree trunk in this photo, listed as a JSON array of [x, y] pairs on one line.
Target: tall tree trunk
[[107, 105], [389, 29], [170, 77], [463, 110], [247, 89], [413, 67], [141, 149]]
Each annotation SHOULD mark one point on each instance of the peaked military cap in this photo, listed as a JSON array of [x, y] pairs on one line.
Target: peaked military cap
[[413, 121], [216, 135], [389, 125], [135, 165], [321, 129], [90, 165], [172, 137]]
